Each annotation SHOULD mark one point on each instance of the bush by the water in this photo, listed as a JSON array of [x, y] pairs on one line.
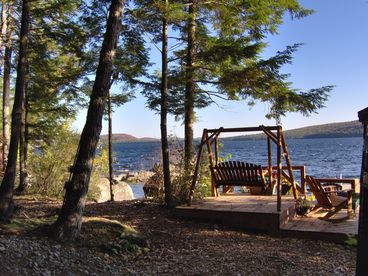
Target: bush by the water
[[180, 180], [49, 163]]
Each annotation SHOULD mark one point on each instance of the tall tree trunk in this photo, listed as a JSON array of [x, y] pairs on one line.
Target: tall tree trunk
[[4, 25], [110, 148], [7, 185], [69, 222], [362, 250], [6, 87], [23, 150], [190, 86], [164, 139]]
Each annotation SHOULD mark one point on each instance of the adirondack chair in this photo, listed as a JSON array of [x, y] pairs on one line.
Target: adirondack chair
[[328, 198], [237, 173]]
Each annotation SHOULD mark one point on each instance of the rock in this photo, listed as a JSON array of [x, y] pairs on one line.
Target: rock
[[136, 177], [122, 191]]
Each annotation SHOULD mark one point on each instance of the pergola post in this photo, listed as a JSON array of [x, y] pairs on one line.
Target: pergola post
[[269, 151], [362, 252], [210, 136], [279, 168]]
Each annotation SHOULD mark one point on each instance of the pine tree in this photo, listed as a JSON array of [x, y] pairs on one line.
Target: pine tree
[[8, 43], [222, 60], [68, 224], [163, 113], [7, 185]]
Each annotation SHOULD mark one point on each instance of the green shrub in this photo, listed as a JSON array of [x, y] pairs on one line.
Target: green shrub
[[181, 181], [49, 163]]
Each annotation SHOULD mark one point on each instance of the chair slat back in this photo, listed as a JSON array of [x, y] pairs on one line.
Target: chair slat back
[[237, 173], [318, 191]]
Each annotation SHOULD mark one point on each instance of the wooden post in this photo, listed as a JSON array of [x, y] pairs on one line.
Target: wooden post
[[196, 171], [279, 168], [288, 163], [302, 177], [216, 150], [209, 149], [269, 148], [210, 157]]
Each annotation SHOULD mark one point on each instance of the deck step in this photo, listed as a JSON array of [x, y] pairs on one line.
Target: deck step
[[258, 213]]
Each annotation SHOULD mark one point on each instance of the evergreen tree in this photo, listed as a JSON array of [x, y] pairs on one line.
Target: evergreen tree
[[8, 43], [68, 224], [222, 60], [156, 17], [163, 113], [7, 185], [55, 66]]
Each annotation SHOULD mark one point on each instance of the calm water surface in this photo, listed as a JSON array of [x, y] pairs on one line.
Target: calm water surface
[[327, 157]]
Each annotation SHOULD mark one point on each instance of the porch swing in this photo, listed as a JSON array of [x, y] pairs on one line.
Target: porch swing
[[240, 173]]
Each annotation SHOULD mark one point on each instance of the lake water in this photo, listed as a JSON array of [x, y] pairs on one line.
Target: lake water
[[325, 157]]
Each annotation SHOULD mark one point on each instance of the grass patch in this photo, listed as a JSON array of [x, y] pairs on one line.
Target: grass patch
[[22, 225], [352, 241], [111, 236], [107, 235]]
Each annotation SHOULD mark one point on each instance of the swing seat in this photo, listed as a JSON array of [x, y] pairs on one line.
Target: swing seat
[[237, 173]]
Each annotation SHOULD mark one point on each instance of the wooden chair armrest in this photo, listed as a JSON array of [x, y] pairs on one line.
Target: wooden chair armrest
[[330, 187], [329, 192], [349, 193]]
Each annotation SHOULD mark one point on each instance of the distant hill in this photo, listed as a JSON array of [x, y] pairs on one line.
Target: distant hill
[[334, 130], [123, 137]]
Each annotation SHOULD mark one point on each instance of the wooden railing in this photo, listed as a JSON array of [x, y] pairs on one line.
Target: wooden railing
[[301, 170], [355, 185]]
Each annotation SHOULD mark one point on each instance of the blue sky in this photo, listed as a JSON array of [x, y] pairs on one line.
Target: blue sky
[[335, 52]]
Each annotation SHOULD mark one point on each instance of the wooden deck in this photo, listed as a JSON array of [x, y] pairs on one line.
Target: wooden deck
[[241, 211], [312, 227], [259, 213]]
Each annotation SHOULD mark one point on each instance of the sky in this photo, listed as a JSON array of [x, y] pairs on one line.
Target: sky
[[335, 52]]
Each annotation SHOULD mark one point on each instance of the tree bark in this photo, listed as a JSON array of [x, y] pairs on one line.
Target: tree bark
[[164, 104], [69, 222], [190, 86], [6, 87], [23, 150], [7, 185], [362, 251], [4, 25], [110, 148]]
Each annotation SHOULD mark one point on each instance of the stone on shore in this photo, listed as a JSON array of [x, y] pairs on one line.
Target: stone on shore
[[136, 177], [121, 190]]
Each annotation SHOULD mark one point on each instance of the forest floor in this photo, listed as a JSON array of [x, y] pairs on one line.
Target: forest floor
[[143, 238]]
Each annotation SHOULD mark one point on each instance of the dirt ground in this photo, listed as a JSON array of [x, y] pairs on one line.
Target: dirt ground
[[162, 245]]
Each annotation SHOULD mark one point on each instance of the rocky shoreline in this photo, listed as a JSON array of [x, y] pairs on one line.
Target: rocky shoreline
[[121, 188]]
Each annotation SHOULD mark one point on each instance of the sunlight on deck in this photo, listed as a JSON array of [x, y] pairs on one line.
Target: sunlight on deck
[[260, 213], [242, 203]]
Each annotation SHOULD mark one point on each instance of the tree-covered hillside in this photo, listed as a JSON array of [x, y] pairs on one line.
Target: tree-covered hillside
[[344, 129]]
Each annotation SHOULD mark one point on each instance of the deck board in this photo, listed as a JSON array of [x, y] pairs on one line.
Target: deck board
[[260, 213], [240, 211]]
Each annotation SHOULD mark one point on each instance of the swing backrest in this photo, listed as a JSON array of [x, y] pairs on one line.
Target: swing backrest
[[237, 173]]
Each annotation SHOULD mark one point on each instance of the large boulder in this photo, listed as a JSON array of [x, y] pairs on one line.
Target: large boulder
[[136, 177], [121, 191]]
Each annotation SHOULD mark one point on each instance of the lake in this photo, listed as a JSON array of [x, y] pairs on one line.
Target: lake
[[324, 157]]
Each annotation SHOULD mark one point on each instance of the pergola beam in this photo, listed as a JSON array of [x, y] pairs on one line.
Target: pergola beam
[[242, 129], [210, 135]]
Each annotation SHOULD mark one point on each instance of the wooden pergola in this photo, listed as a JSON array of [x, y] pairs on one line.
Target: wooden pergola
[[362, 252], [273, 134]]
